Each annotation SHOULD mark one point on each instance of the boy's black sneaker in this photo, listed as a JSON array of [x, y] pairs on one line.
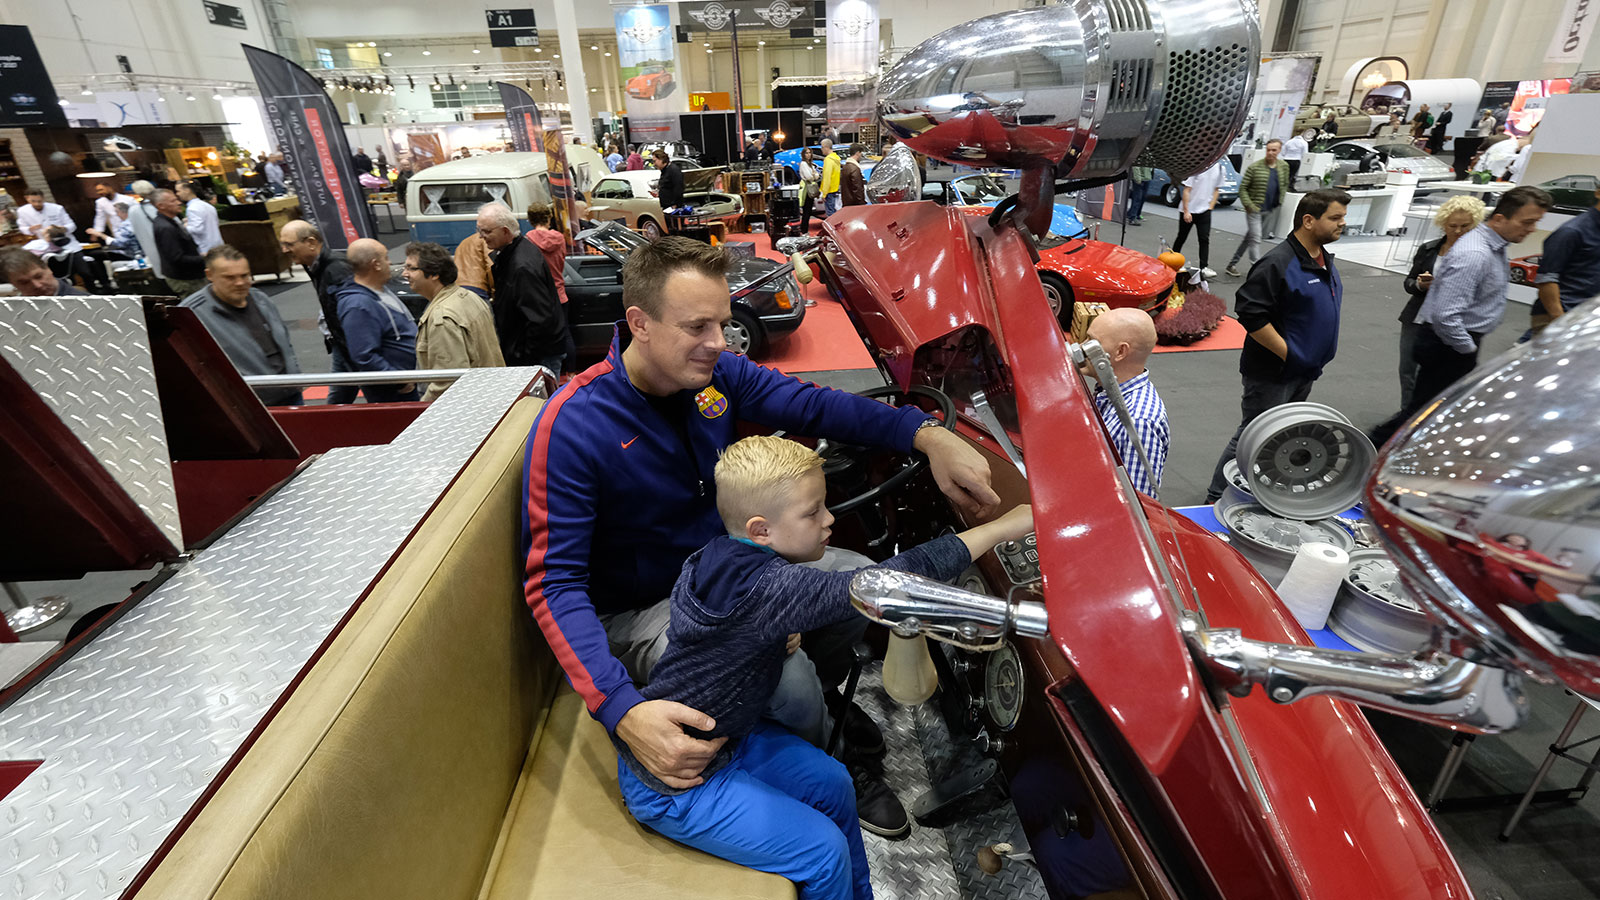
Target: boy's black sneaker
[[879, 809], [860, 732]]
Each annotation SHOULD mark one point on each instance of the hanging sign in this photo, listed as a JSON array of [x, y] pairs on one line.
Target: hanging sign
[[511, 28], [522, 117], [26, 95], [852, 63], [311, 137], [649, 77]]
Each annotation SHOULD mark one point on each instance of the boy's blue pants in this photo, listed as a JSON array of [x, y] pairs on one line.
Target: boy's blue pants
[[781, 805]]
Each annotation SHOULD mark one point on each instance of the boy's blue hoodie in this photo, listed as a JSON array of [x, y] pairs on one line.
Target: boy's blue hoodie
[[733, 608]]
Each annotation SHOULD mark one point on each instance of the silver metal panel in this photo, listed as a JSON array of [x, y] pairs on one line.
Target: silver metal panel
[[136, 725], [475, 402], [89, 358], [935, 863]]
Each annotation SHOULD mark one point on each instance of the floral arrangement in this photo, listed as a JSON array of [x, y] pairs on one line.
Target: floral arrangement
[[1193, 320]]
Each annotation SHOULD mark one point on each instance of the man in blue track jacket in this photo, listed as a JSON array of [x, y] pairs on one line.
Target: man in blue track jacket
[[619, 492]]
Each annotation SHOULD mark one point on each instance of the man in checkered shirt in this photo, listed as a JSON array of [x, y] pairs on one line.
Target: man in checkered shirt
[[1128, 336]]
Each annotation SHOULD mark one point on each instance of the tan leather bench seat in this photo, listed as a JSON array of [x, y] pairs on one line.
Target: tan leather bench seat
[[434, 751]]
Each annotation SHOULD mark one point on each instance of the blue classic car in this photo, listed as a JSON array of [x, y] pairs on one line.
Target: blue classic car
[[1161, 186], [988, 189], [790, 159]]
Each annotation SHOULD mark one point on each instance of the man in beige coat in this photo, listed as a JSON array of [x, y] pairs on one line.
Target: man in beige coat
[[457, 329]]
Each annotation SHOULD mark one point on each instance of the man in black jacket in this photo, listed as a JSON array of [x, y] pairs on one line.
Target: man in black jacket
[[302, 242], [181, 261], [528, 316], [1289, 305], [361, 161], [669, 188]]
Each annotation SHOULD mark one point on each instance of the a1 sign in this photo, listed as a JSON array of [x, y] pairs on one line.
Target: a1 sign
[[511, 28]]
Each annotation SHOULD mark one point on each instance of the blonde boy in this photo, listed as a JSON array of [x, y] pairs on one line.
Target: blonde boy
[[769, 799]]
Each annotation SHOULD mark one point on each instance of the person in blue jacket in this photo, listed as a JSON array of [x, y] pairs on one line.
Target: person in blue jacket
[[1289, 306], [619, 492], [379, 332]]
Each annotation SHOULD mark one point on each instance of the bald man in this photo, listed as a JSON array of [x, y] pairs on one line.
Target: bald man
[[378, 329], [302, 242], [1128, 336]]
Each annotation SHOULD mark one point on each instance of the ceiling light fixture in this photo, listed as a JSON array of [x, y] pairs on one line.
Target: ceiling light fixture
[[476, 50], [62, 102], [86, 92], [388, 53], [594, 46], [188, 96], [608, 52], [372, 43], [217, 96], [427, 53], [411, 81]]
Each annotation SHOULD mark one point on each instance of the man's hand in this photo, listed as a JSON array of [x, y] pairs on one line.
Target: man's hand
[[792, 644], [1187, 217], [1425, 279], [653, 730], [960, 470]]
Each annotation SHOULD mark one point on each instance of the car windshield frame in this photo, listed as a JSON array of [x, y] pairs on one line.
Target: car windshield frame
[[608, 238], [1401, 151]]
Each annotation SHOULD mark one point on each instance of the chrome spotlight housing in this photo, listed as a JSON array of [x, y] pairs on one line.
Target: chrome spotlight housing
[[1086, 88]]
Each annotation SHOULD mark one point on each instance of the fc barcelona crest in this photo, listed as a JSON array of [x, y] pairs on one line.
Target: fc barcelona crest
[[711, 403]]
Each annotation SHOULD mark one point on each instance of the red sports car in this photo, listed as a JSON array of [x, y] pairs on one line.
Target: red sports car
[[1073, 269], [1524, 269], [652, 83]]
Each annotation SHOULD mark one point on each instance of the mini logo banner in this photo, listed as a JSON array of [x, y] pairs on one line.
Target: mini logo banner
[[711, 402]]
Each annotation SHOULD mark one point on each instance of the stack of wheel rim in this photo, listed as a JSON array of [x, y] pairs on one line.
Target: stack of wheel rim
[[1297, 466]]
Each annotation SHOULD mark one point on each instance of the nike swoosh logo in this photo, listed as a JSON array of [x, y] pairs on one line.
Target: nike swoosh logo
[[627, 444]]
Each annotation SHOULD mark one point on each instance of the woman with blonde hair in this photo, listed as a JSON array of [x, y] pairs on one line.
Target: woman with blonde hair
[[1456, 217]]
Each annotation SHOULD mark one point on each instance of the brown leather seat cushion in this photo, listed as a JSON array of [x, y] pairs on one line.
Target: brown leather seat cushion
[[569, 834]]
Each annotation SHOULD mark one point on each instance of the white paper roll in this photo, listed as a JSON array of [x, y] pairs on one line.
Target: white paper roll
[[1312, 582]]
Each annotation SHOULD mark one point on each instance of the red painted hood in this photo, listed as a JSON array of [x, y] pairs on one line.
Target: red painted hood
[[1335, 817]]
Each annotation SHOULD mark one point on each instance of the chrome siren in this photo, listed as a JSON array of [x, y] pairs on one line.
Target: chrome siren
[[895, 178], [1490, 504], [1086, 88]]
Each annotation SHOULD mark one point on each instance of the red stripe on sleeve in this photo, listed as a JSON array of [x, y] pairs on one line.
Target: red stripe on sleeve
[[539, 545]]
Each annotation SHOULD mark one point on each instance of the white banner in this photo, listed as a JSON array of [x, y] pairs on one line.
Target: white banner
[[1572, 32], [649, 72], [853, 63], [114, 109]]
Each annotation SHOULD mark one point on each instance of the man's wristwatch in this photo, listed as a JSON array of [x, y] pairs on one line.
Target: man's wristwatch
[[931, 421]]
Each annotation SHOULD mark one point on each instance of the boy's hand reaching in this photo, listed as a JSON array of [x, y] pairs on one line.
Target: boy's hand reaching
[[1015, 524], [1009, 527], [653, 730]]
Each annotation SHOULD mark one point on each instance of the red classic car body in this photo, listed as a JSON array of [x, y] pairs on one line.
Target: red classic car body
[[1203, 795], [1079, 269], [1524, 269]]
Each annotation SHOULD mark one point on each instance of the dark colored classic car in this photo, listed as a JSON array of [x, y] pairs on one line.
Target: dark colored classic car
[[1573, 193], [767, 303]]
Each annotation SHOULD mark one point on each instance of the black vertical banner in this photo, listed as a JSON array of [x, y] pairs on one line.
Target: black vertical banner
[[26, 94], [311, 136], [522, 117]]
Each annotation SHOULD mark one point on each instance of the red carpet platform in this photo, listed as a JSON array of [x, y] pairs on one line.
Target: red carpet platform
[[825, 341], [1228, 335]]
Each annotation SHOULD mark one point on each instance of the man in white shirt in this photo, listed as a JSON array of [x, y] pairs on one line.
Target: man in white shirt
[[36, 215], [199, 217], [1200, 193], [1294, 150], [105, 211]]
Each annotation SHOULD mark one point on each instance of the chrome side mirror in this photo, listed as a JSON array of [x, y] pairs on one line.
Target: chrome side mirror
[[1490, 504]]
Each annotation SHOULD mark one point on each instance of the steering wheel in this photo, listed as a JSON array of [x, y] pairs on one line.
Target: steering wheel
[[839, 458]]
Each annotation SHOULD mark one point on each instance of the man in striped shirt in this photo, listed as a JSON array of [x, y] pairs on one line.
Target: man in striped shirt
[[1128, 336], [1467, 299]]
